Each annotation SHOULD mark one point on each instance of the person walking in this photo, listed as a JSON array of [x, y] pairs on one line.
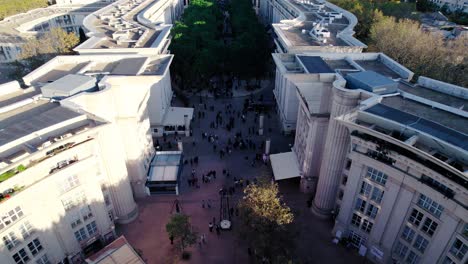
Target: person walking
[[218, 230], [203, 204], [203, 238], [210, 226]]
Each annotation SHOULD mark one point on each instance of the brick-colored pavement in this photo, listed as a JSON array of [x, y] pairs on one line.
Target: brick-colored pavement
[[148, 236]]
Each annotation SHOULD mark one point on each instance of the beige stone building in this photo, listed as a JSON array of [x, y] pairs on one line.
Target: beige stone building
[[75, 150]]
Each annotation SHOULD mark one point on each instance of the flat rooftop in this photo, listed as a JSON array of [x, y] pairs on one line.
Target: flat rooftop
[[130, 65], [8, 26], [32, 118], [117, 252], [443, 98], [17, 96], [120, 27], [315, 64], [439, 123], [294, 33]]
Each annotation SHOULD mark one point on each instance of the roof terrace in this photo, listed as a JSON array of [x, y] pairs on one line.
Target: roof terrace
[[317, 25], [118, 26]]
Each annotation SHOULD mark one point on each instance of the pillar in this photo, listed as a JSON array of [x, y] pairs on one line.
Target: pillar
[[187, 125], [180, 146], [336, 148], [267, 146], [260, 127]]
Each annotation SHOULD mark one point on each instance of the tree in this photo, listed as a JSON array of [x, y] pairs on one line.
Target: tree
[[424, 53], [180, 230], [266, 222], [36, 51]]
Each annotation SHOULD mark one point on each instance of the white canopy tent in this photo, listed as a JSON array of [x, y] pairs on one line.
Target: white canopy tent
[[285, 165]]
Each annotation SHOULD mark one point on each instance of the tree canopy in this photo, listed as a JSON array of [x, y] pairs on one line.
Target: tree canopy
[[36, 51], [422, 52], [13, 7], [266, 222], [180, 230]]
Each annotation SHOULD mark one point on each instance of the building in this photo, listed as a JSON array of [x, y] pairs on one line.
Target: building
[[309, 27], [131, 26], [117, 252], [453, 5], [15, 30], [385, 157]]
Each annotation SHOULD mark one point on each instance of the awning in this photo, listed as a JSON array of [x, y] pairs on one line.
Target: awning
[[164, 173], [284, 165], [175, 116]]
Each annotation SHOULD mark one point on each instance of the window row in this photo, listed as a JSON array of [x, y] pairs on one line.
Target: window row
[[10, 240], [372, 192], [68, 183], [34, 247], [82, 235], [402, 252], [74, 200], [10, 217], [458, 249], [420, 243], [431, 206], [376, 176], [364, 224], [77, 218], [429, 226], [366, 208]]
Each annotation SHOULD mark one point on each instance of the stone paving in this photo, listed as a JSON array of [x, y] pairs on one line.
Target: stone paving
[[148, 236]]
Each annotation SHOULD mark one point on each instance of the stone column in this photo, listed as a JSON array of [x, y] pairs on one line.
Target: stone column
[[180, 146], [260, 127], [187, 125], [336, 148], [267, 146]]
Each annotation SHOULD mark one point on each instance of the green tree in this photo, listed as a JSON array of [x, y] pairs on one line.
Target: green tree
[[36, 51], [181, 231], [266, 222]]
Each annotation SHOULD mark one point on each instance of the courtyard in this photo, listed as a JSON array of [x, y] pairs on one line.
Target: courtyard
[[147, 234]]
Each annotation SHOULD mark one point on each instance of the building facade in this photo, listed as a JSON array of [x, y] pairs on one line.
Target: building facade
[[386, 159]]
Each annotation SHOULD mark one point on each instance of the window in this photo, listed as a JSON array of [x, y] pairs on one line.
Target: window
[[429, 226], [458, 249], [92, 228], [26, 229], [465, 231], [43, 260], [11, 216], [366, 226], [86, 212], [74, 200], [448, 260], [35, 246], [365, 189], [416, 217], [75, 219], [356, 239], [356, 220], [408, 234], [376, 176], [372, 211], [10, 241], [21, 257], [360, 205], [412, 258], [344, 180], [401, 250], [80, 235], [111, 215], [377, 195], [431, 206], [107, 198], [69, 183], [420, 243]]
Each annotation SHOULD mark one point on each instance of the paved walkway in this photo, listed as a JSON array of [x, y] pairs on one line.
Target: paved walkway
[[148, 236]]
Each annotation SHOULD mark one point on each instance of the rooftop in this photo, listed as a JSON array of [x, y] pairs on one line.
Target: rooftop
[[32, 118], [11, 30], [319, 24], [118, 26], [425, 118], [117, 252], [315, 64], [91, 65]]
